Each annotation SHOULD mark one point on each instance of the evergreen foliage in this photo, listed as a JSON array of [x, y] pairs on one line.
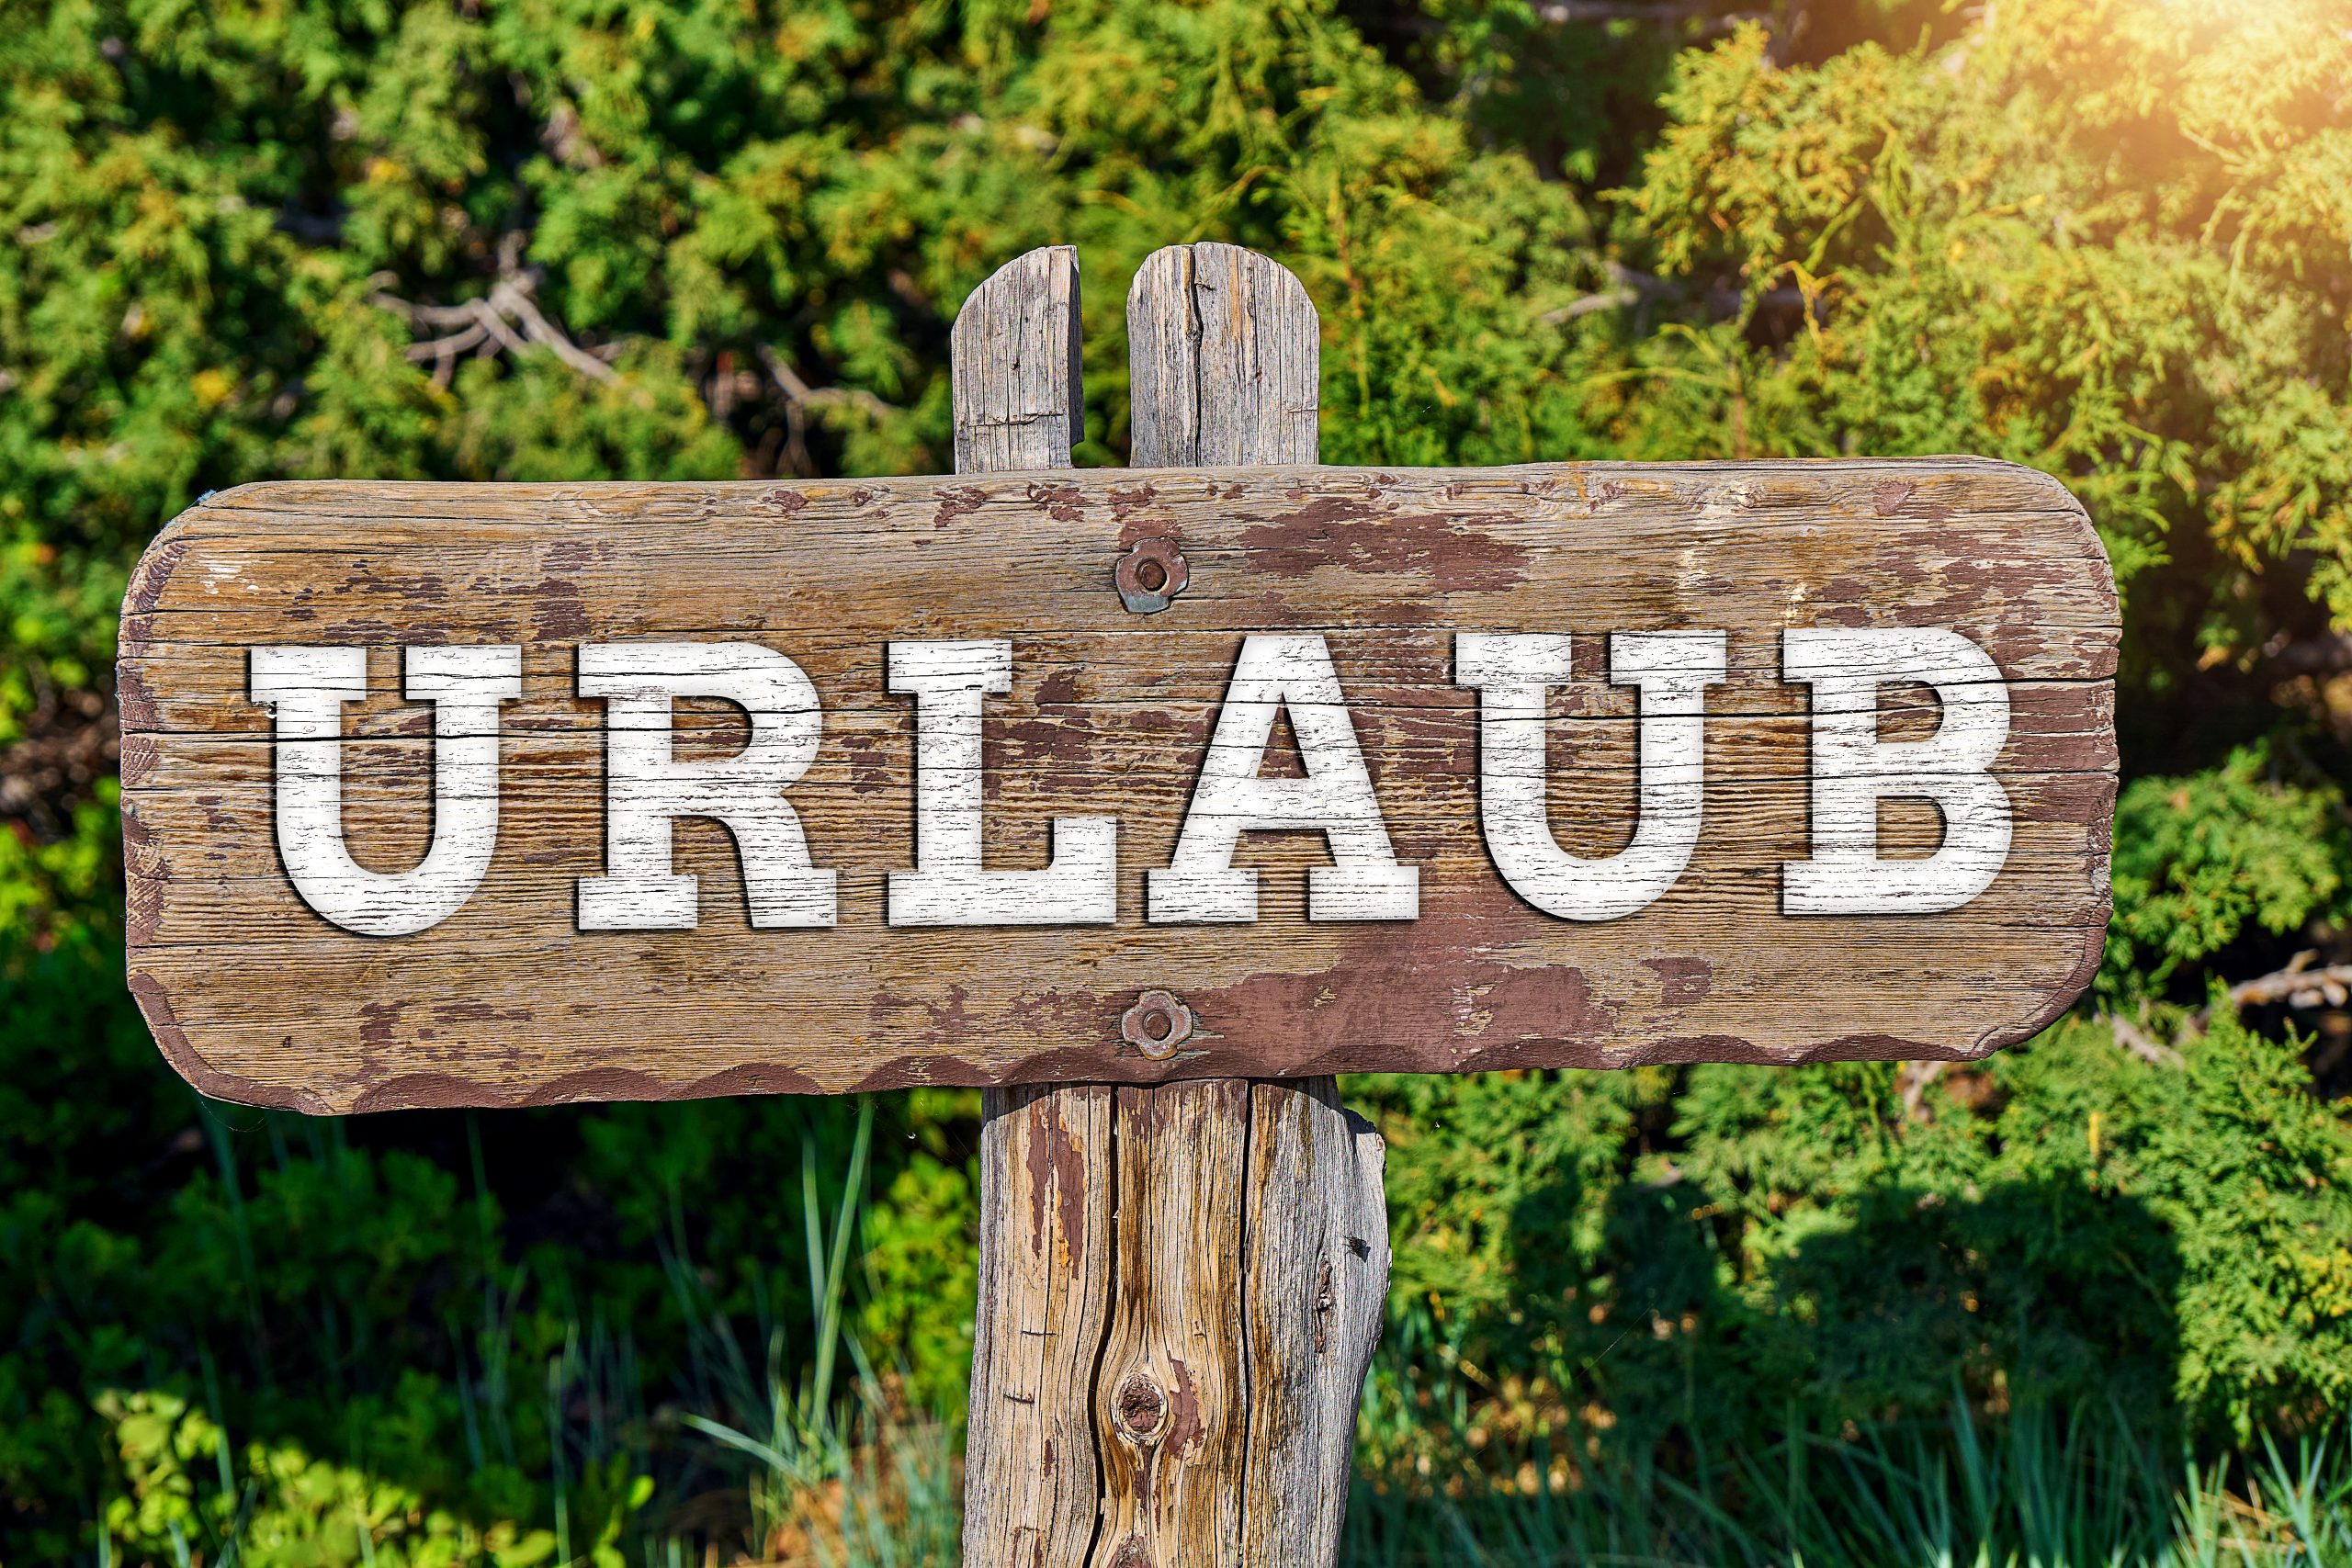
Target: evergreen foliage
[[651, 239]]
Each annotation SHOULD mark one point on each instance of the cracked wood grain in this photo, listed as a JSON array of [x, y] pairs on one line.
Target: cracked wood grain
[[1171, 1399], [1031, 1486], [1015, 383], [1032, 1471], [1253, 1256], [1317, 1271], [1225, 353]]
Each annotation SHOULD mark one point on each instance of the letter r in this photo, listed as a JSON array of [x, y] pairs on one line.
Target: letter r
[[646, 788]]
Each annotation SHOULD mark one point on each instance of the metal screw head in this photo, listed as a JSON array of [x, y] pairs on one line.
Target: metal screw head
[[1156, 1025], [1150, 575]]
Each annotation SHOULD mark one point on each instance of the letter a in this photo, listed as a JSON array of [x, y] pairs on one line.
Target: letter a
[[646, 787], [1335, 797], [1673, 671], [305, 688]]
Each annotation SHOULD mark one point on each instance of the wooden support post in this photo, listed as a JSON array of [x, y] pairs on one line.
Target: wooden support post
[[1181, 1284], [1013, 373], [1225, 354], [1031, 1486]]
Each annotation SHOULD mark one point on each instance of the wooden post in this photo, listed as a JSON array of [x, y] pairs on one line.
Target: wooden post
[[1180, 1285], [1031, 1484]]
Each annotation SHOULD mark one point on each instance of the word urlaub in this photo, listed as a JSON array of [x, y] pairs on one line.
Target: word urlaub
[[647, 787]]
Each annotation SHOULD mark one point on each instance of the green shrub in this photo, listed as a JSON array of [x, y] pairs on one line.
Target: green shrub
[[1678, 1260], [2200, 859]]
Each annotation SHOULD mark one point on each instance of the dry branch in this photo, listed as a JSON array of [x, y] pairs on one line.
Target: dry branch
[[1916, 1078], [509, 320], [2301, 984], [2298, 986], [2130, 1037]]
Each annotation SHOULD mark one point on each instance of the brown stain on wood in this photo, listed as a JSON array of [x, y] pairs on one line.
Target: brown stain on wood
[[1680, 980], [1056, 1176], [954, 500], [1360, 534]]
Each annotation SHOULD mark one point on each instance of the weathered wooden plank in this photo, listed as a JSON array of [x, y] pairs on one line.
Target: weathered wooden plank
[[199, 803], [1184, 1417], [1032, 1471], [1226, 356], [1398, 683], [1171, 1401], [1033, 555], [1016, 390], [200, 838], [1108, 714], [1316, 1275], [1031, 1485], [1630, 493]]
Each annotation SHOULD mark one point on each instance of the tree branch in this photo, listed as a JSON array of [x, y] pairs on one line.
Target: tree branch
[[492, 320], [798, 397], [1917, 1077], [797, 390], [1586, 304], [2129, 1037], [511, 301], [2299, 986], [509, 320]]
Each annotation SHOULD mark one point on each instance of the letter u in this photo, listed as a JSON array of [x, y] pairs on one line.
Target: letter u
[[1672, 671], [305, 688]]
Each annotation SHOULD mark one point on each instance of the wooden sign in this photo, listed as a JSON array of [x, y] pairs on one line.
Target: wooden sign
[[507, 794]]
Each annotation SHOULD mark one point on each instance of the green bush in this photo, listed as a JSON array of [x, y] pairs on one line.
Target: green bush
[[2203, 862], [1692, 1257]]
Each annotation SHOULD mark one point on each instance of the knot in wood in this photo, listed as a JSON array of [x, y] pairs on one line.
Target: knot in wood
[[1156, 1025], [1150, 575], [1141, 1407], [1131, 1553]]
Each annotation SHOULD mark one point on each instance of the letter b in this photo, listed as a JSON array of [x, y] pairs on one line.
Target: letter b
[[1852, 769]]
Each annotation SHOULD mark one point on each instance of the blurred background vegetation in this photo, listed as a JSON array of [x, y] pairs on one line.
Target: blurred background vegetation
[[2089, 1302]]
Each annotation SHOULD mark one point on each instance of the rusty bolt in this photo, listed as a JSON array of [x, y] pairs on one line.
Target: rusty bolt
[[1156, 1025], [1150, 575]]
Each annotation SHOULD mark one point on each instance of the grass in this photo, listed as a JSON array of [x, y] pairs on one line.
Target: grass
[[815, 1457], [2040, 1489], [873, 1486]]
